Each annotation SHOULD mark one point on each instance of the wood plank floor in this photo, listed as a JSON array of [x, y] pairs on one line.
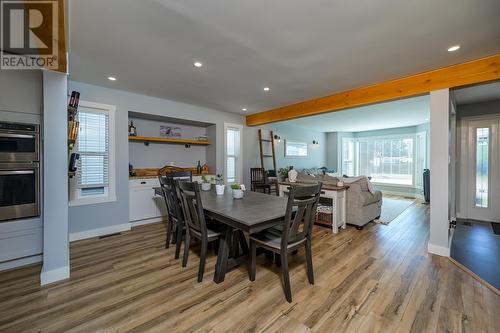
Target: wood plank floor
[[380, 279]]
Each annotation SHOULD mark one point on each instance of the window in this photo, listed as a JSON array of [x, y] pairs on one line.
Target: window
[[232, 148], [482, 163], [94, 179], [388, 160], [295, 149]]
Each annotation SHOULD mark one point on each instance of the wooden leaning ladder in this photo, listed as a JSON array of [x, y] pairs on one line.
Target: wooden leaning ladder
[[262, 155]]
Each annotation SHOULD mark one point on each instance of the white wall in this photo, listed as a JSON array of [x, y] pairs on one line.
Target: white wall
[[439, 166], [55, 183]]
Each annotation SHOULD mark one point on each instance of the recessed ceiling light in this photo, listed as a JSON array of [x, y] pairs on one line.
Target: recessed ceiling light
[[197, 64], [111, 78], [266, 89], [453, 48], [244, 109]]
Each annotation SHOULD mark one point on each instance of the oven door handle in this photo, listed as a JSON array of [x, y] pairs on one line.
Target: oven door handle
[[20, 136], [17, 172]]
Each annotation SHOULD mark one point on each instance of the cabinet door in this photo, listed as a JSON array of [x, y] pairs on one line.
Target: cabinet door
[[142, 205]]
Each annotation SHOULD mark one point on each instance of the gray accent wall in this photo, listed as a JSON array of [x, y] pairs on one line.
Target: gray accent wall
[[157, 155], [88, 217]]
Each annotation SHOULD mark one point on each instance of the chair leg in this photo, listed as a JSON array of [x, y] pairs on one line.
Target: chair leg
[[203, 258], [286, 276], [187, 241], [178, 241], [309, 262], [252, 261], [169, 233]]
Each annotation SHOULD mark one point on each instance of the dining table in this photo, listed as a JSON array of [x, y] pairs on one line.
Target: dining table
[[241, 217]]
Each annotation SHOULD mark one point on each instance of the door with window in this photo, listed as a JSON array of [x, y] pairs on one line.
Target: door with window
[[482, 163], [233, 167]]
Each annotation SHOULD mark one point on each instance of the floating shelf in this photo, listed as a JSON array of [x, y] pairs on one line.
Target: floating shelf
[[168, 140]]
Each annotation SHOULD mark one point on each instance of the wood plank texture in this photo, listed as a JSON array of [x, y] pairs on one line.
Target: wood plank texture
[[169, 140], [472, 72], [380, 279]]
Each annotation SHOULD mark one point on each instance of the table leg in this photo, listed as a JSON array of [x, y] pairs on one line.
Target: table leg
[[335, 219], [223, 255]]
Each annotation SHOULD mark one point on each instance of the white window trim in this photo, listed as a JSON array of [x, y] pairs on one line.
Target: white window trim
[[110, 194], [380, 137], [239, 160]]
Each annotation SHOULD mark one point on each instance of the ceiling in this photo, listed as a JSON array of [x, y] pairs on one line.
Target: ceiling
[[478, 93], [300, 49], [407, 112]]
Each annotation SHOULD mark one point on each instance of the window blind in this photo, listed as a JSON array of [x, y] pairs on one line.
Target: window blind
[[93, 146]]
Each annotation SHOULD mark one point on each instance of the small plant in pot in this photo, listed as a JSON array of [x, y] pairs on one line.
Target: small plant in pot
[[283, 173], [205, 183], [237, 191], [219, 185]]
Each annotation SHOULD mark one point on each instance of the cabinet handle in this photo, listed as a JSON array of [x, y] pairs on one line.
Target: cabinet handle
[[143, 183]]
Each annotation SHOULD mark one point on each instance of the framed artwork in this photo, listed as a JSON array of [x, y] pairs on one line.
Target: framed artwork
[[295, 149], [170, 132]]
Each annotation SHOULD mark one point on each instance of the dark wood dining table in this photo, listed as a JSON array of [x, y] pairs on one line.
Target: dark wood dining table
[[250, 214]]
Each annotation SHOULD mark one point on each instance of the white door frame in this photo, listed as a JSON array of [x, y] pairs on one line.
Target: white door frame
[[467, 164]]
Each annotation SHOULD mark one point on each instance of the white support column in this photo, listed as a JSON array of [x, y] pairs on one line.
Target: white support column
[[55, 179], [439, 166]]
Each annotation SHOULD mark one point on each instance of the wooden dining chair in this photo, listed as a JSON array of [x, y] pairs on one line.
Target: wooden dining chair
[[175, 216], [296, 231], [184, 175], [196, 225], [258, 180]]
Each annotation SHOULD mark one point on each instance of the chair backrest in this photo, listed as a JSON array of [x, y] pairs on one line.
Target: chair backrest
[[257, 175], [172, 200], [192, 206], [186, 175], [300, 213]]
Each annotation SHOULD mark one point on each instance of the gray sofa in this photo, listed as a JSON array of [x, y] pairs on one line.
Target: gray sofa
[[362, 205]]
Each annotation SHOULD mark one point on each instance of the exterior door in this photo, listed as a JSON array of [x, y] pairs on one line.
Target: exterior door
[[483, 169]]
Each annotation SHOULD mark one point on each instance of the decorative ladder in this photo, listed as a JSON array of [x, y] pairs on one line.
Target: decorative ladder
[[272, 155]]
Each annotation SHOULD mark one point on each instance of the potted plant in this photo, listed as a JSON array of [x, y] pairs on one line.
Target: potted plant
[[219, 185], [283, 173], [205, 183], [237, 191]]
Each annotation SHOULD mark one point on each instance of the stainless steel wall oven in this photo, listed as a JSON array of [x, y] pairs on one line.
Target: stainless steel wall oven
[[19, 171]]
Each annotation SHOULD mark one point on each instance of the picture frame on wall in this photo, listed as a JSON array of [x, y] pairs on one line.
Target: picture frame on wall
[[296, 149], [170, 132]]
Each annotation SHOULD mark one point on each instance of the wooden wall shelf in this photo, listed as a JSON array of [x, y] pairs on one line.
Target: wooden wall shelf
[[168, 140]]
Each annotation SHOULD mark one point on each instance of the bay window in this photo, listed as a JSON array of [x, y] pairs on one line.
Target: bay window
[[392, 160]]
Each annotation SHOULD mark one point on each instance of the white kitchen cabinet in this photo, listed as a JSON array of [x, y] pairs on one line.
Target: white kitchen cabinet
[[143, 204]]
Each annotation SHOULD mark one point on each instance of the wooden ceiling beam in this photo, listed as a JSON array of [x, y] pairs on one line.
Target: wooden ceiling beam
[[468, 73]]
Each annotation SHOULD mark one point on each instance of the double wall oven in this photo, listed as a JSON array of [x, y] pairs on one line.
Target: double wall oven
[[19, 171]]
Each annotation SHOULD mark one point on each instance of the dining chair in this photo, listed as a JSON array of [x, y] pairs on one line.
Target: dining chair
[[196, 225], [258, 180], [184, 175], [294, 232], [175, 216]]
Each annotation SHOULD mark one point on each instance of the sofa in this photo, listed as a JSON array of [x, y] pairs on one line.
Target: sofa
[[362, 206]]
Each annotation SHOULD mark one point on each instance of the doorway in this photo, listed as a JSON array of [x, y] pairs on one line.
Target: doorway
[[480, 164]]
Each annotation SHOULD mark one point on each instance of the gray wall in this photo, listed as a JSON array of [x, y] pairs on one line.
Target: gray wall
[[157, 155], [478, 109], [90, 217], [316, 157], [55, 184]]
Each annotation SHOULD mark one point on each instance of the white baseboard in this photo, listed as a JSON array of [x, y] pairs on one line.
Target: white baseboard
[[99, 232], [20, 262], [439, 250], [54, 275], [148, 221]]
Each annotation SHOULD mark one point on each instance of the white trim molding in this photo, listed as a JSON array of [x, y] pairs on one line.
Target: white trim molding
[[47, 277], [147, 221], [438, 250], [99, 232]]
